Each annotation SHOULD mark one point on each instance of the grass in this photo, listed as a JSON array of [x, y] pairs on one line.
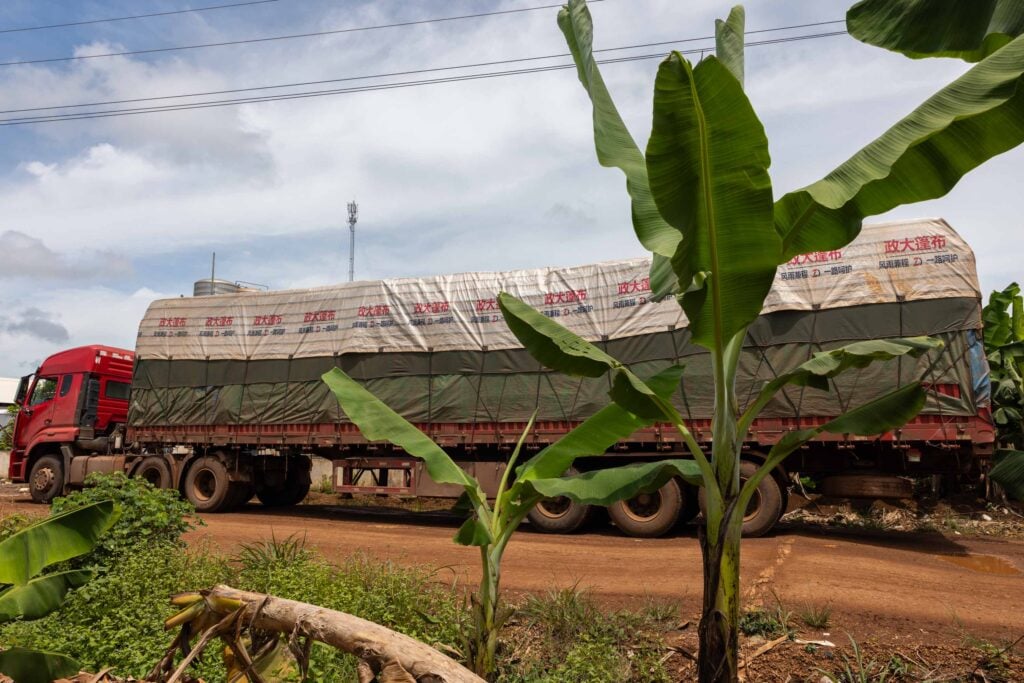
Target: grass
[[816, 616], [563, 635]]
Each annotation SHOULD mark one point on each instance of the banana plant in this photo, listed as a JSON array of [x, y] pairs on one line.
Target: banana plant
[[1004, 347], [494, 520], [703, 204], [26, 593]]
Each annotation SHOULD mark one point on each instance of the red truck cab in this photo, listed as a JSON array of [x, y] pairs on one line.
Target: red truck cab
[[71, 405]]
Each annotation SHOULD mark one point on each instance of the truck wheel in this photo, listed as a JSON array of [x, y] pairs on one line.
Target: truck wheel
[[291, 492], [156, 471], [649, 515], [559, 515], [46, 481], [207, 485]]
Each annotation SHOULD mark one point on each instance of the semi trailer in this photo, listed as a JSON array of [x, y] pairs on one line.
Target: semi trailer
[[222, 399]]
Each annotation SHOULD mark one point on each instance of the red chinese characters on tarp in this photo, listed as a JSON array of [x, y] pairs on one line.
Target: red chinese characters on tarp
[[633, 286], [430, 307], [570, 296], [266, 320], [220, 321], [172, 322], [917, 243], [319, 316], [375, 311], [815, 257]]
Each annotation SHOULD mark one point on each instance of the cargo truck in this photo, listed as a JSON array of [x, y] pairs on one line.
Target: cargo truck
[[222, 398]]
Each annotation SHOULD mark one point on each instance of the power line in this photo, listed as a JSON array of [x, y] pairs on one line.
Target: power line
[[392, 74], [267, 39], [136, 16], [16, 121]]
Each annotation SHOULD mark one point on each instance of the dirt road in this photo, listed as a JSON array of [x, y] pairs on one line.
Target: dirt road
[[924, 582]]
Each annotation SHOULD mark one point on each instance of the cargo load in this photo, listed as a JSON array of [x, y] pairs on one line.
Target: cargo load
[[437, 349]]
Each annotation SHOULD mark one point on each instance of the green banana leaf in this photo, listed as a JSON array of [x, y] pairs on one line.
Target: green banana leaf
[[1003, 319], [34, 666], [978, 116], [561, 349], [551, 343], [40, 596], [729, 36], [596, 434], [378, 422], [615, 146], [1008, 472], [967, 29], [824, 365], [54, 539], [879, 416], [605, 486], [707, 164]]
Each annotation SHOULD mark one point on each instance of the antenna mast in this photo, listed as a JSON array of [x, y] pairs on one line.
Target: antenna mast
[[353, 216]]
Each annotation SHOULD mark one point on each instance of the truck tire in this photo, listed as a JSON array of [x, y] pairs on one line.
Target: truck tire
[[650, 515], [46, 480], [558, 515], [766, 506], [207, 485], [291, 492], [156, 471]]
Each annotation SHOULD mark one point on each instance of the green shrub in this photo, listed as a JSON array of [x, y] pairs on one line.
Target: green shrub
[[12, 524], [402, 598], [149, 516], [117, 618]]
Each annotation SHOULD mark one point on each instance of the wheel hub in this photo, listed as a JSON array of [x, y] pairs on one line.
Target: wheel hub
[[643, 507], [43, 479]]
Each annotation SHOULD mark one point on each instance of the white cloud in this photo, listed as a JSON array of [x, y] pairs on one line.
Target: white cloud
[[63, 318], [481, 175]]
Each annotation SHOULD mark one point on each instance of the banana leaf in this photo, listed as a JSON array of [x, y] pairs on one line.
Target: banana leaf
[[966, 29]]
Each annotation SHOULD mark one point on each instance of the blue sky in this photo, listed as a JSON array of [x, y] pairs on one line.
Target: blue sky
[[102, 216]]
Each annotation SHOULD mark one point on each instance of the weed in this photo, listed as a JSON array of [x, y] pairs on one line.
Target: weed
[[858, 669], [326, 484], [816, 616], [760, 622], [564, 636], [266, 555]]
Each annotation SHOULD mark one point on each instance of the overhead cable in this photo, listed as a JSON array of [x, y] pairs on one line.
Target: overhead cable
[[136, 16], [399, 73], [267, 39], [76, 116]]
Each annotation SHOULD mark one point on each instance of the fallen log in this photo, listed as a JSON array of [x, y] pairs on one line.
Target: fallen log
[[385, 652]]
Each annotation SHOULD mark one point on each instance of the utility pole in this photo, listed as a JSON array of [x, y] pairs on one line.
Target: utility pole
[[353, 216]]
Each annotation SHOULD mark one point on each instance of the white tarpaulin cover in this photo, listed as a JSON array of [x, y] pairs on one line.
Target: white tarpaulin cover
[[907, 260]]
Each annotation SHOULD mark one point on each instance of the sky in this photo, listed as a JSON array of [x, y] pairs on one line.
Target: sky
[[102, 216]]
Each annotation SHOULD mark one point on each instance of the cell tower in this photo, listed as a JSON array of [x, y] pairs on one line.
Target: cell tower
[[353, 216]]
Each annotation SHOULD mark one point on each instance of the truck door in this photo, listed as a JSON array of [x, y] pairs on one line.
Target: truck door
[[37, 413], [65, 403]]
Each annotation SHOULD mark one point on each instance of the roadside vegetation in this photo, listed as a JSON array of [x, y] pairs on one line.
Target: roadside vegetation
[[116, 620]]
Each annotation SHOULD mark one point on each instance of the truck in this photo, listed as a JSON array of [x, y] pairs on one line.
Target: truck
[[222, 399]]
